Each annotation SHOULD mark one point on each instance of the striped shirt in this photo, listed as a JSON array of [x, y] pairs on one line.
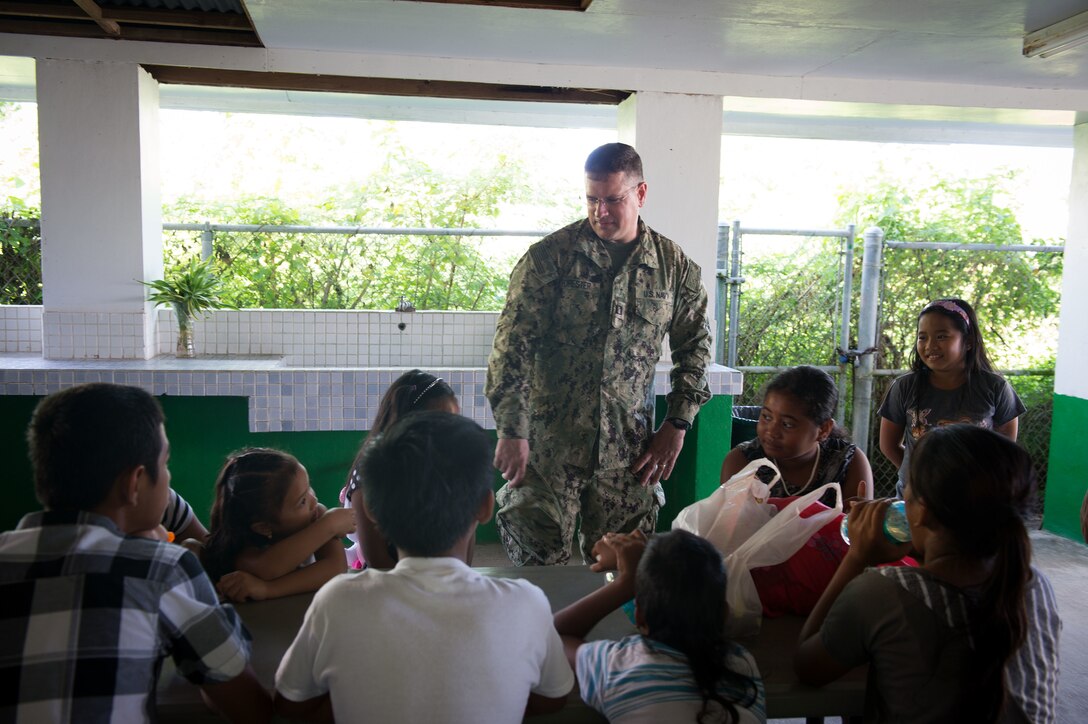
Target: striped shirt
[[178, 514], [89, 614], [637, 679], [1032, 673]]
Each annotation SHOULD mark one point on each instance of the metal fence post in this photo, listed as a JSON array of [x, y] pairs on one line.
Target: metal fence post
[[734, 296], [867, 317], [206, 237], [844, 334], [721, 268]]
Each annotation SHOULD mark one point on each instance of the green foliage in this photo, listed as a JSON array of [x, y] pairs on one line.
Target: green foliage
[[791, 304], [327, 271], [20, 255], [191, 291], [1014, 293]]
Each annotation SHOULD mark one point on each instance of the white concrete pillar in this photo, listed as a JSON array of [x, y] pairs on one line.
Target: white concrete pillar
[[101, 209], [1067, 474], [679, 138]]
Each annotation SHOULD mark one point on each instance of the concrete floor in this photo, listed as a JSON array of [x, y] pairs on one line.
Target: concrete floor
[[1064, 561]]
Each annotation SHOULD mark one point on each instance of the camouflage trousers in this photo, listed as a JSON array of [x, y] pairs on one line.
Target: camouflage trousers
[[537, 519]]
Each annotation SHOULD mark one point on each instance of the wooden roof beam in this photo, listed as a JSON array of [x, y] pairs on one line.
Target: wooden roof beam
[[90, 7]]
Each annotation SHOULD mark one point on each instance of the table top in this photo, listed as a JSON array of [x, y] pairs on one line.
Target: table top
[[273, 625]]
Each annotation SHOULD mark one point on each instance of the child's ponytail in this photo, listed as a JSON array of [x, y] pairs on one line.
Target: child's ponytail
[[681, 595], [978, 485]]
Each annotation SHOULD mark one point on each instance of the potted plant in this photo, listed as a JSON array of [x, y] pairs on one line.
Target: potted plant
[[192, 291]]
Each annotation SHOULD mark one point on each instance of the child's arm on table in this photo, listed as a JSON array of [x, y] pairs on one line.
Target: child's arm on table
[[240, 586], [576, 620], [286, 555], [869, 547]]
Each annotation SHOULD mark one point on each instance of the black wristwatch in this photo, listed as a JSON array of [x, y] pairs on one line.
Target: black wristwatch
[[679, 423]]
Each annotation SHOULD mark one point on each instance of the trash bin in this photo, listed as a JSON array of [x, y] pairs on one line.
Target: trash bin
[[745, 418]]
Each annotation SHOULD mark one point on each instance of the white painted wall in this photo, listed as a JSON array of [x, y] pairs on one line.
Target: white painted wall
[[98, 126], [679, 138], [1069, 373], [101, 208]]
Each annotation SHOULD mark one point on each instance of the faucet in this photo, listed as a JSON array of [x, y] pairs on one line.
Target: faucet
[[404, 305]]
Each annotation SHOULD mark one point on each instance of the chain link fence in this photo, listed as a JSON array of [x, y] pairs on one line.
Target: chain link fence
[[783, 294], [20, 261]]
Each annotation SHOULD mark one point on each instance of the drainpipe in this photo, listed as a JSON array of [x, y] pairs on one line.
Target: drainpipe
[[867, 317]]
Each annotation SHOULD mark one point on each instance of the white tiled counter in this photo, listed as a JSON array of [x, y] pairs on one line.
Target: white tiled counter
[[281, 398]]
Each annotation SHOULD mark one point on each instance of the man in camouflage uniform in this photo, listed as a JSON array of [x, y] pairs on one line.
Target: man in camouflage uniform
[[570, 377]]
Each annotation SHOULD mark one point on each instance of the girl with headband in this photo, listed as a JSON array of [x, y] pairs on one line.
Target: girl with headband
[[411, 392], [951, 380]]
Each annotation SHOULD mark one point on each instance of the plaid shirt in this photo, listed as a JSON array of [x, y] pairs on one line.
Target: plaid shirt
[[87, 615]]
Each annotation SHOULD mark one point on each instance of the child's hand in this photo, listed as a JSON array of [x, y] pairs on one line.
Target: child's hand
[[239, 586], [867, 539], [606, 551], [341, 521]]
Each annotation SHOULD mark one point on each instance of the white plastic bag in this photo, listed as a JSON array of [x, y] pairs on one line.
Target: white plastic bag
[[781, 537], [733, 512]]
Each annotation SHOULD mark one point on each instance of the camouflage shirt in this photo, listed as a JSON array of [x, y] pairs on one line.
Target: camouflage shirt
[[572, 366]]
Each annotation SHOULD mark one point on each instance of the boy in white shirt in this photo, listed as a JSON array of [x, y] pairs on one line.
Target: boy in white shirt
[[431, 639]]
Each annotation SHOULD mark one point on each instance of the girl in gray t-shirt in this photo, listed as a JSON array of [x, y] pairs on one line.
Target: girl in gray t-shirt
[[951, 381]]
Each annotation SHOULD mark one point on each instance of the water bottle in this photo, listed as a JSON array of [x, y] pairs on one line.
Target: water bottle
[[895, 524]]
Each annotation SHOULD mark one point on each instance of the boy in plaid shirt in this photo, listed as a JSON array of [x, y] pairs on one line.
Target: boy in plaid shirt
[[89, 611]]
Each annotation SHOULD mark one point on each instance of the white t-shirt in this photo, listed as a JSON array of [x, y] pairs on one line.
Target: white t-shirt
[[429, 640], [640, 681]]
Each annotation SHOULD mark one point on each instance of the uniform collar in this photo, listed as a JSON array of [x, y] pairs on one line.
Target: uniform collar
[[644, 253]]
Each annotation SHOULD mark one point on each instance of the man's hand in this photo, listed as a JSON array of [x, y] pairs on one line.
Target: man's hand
[[656, 463], [511, 458]]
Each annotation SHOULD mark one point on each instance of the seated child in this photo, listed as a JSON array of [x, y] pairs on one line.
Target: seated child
[[680, 666], [90, 611], [269, 535], [431, 639], [796, 431], [972, 635], [411, 392]]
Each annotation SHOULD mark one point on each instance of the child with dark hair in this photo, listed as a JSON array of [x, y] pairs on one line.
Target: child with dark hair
[[411, 392], [90, 609], [972, 635], [270, 537], [951, 380], [796, 430], [438, 641], [680, 666]]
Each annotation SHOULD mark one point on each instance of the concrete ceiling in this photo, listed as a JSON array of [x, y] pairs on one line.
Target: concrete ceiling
[[956, 41], [925, 70]]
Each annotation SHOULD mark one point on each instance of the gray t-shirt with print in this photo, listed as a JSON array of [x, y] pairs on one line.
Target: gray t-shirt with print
[[988, 402]]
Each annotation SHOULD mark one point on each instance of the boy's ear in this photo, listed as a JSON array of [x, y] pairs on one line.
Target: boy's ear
[[127, 487], [262, 529], [487, 508]]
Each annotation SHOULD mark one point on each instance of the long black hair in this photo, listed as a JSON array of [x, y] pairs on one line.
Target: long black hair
[[978, 485], [250, 489], [680, 593], [976, 361]]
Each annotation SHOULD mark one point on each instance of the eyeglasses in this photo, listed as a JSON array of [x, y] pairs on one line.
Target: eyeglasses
[[611, 201]]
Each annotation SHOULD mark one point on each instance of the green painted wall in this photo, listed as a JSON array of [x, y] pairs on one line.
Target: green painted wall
[[203, 430], [1067, 477]]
